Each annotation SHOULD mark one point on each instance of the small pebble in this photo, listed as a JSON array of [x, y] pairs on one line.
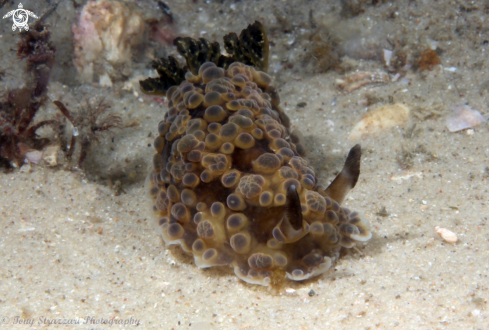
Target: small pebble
[[311, 293], [447, 235]]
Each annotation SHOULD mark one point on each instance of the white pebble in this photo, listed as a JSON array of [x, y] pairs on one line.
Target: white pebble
[[289, 290], [476, 312], [447, 235]]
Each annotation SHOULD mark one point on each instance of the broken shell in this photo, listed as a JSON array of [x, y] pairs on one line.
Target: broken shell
[[465, 117], [447, 235], [380, 119], [361, 78], [50, 155]]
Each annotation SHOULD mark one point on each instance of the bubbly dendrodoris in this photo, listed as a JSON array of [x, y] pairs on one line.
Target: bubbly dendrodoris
[[229, 183]]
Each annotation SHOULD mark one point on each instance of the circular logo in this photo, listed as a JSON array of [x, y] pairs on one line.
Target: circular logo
[[20, 17]]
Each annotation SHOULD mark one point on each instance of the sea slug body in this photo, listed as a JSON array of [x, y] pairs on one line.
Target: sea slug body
[[229, 183]]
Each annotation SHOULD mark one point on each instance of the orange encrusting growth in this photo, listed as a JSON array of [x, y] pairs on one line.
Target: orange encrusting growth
[[427, 60]]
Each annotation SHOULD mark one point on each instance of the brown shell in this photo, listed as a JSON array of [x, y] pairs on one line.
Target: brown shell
[[227, 172]]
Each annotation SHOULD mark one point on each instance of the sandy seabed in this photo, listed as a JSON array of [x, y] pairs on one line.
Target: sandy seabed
[[72, 251]]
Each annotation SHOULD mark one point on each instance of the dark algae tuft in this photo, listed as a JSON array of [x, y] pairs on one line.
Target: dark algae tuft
[[18, 107]]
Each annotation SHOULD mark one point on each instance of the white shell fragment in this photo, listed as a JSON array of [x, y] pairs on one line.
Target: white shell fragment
[[447, 235], [105, 81], [465, 117], [387, 57], [380, 119], [33, 156]]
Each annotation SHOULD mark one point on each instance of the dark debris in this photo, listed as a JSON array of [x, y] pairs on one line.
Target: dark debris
[[88, 123], [18, 107]]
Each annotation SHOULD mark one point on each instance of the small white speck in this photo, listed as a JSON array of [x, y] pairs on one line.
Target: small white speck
[[425, 202], [27, 229]]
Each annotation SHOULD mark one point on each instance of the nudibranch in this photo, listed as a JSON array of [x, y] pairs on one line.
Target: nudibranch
[[229, 183]]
